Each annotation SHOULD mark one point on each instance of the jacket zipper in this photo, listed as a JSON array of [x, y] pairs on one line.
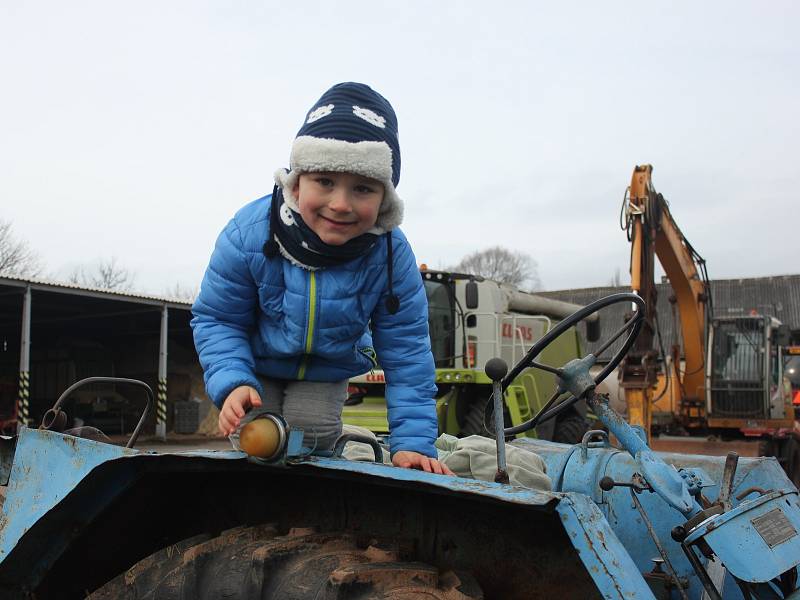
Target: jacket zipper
[[312, 313]]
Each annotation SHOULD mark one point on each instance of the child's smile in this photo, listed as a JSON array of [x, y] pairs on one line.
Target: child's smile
[[338, 206]]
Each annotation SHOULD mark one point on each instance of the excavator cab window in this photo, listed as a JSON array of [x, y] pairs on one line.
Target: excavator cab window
[[742, 359], [738, 377]]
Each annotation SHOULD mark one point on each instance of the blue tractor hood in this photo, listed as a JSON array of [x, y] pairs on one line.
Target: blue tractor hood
[[73, 502]]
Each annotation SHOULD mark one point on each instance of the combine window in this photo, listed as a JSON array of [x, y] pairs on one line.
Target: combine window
[[441, 322]]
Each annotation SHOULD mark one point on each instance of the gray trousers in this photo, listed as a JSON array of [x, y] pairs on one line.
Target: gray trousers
[[314, 406]]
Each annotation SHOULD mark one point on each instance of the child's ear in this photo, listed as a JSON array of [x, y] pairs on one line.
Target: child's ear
[[296, 190]]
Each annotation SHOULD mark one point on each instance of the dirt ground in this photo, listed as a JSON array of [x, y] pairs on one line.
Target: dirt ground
[[706, 446]]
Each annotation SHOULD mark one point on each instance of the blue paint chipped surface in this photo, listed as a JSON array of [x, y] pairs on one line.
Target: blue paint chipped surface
[[603, 555], [744, 551], [48, 466]]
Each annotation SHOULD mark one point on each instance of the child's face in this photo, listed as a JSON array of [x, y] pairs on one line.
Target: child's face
[[338, 206]]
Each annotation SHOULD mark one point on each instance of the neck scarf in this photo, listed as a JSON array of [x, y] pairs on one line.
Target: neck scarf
[[295, 240]]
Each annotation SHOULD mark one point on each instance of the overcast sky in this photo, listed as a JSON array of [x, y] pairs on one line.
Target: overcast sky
[[137, 129]]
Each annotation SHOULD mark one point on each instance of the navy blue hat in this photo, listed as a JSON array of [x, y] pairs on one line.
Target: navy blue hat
[[350, 129]]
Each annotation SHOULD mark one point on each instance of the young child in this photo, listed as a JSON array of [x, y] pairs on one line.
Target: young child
[[315, 283]]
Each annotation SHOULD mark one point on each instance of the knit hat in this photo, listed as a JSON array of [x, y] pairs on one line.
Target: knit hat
[[350, 129]]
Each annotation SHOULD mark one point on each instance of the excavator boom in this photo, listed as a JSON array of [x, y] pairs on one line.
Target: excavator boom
[[654, 233]]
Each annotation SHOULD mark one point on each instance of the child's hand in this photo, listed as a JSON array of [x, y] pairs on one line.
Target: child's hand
[[238, 402], [415, 460]]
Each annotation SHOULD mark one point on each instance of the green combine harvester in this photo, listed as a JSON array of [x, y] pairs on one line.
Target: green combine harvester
[[471, 320]]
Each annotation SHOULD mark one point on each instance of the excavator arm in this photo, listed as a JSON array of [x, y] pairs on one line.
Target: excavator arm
[[653, 233]]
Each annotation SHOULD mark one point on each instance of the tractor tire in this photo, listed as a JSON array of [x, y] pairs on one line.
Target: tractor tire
[[257, 562], [474, 420], [477, 422], [570, 428]]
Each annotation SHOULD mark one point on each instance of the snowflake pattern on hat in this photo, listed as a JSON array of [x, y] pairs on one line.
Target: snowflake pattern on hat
[[369, 116], [319, 112]]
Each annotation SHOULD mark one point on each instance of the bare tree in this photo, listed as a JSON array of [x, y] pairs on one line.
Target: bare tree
[[16, 256], [106, 274], [500, 264], [181, 292]]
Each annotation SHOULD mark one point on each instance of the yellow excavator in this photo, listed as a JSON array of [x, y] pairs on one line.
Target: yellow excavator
[[725, 377]]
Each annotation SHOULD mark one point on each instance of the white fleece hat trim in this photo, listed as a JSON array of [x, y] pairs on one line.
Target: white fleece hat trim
[[370, 159]]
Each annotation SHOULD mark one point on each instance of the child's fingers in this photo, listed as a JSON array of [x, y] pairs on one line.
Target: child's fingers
[[237, 408], [255, 399], [441, 468], [414, 460], [401, 460], [225, 424]]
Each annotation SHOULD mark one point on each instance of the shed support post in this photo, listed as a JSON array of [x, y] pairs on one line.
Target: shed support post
[[24, 390], [161, 401]]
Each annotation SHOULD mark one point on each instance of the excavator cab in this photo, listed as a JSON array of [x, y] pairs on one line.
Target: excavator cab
[[745, 377]]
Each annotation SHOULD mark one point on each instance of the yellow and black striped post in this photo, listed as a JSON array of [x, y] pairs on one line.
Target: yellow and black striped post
[[161, 401], [24, 393], [23, 398]]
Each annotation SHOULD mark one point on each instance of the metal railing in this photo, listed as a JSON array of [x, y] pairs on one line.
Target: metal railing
[[509, 347]]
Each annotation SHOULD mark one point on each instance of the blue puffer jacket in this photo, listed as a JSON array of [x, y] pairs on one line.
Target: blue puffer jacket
[[265, 315]]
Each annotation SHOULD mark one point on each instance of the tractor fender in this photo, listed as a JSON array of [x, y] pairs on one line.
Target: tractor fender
[[70, 501]]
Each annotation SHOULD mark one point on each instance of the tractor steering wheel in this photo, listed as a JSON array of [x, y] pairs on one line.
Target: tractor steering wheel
[[548, 411]]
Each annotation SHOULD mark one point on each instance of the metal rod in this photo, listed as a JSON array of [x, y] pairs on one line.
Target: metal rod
[[150, 399], [341, 442], [499, 432], [657, 542], [726, 486], [712, 592]]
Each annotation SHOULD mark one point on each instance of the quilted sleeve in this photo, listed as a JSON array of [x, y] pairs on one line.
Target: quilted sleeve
[[224, 317], [404, 353]]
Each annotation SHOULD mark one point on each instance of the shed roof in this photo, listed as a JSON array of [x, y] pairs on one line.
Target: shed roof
[[69, 288], [776, 296]]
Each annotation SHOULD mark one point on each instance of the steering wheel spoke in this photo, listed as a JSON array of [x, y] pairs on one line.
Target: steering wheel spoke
[[615, 337], [555, 370]]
